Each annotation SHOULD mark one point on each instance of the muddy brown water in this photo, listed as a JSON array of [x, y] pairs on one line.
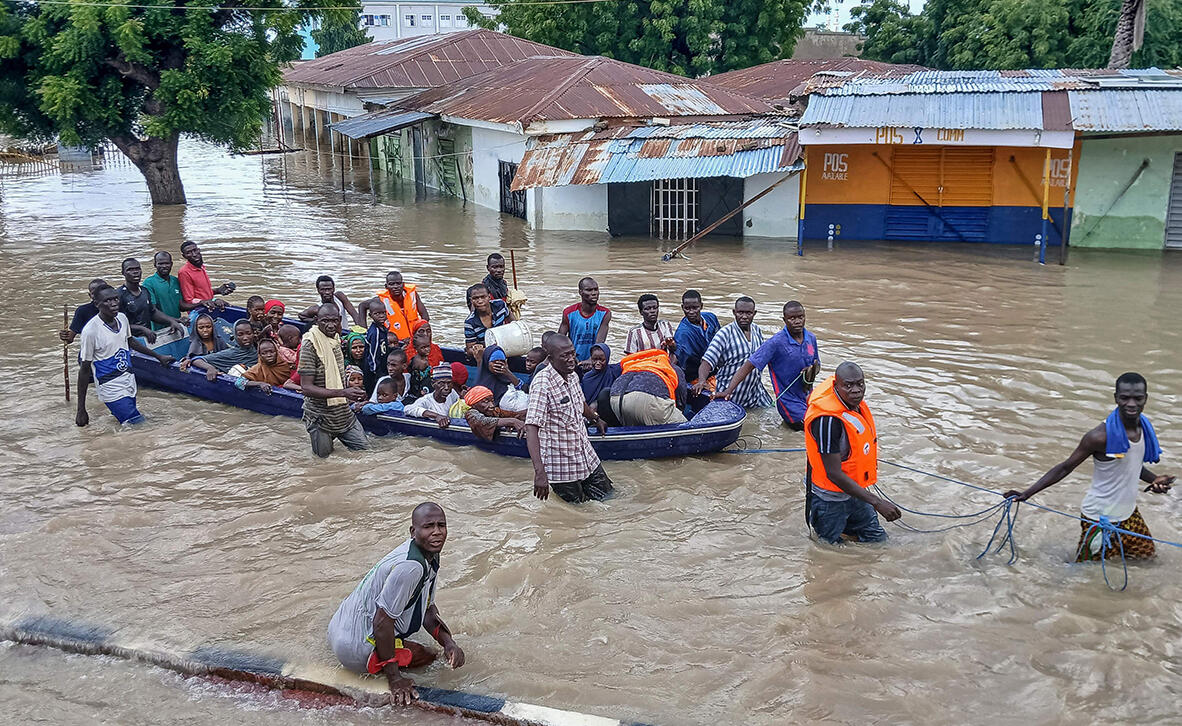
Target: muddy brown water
[[695, 596]]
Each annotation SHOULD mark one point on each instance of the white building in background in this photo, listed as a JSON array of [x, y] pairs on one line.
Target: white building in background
[[389, 20]]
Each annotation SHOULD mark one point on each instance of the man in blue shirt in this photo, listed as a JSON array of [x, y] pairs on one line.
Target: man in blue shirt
[[794, 362], [694, 334]]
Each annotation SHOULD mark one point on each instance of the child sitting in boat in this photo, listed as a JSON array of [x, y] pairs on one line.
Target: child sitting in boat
[[354, 378], [534, 358], [435, 405], [270, 371], [203, 340], [386, 395], [377, 343], [485, 419], [420, 376], [289, 343]]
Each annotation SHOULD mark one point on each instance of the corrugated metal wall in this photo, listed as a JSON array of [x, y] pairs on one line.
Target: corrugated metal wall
[[1174, 211]]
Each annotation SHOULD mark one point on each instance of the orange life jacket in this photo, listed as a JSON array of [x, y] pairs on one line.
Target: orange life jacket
[[654, 360], [862, 463], [400, 318]]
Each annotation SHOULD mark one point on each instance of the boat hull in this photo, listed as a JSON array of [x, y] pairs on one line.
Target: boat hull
[[715, 427]]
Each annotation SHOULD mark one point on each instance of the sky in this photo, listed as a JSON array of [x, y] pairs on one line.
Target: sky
[[839, 13]]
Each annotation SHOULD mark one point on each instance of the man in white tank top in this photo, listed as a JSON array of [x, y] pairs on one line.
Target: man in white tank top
[[1119, 448]]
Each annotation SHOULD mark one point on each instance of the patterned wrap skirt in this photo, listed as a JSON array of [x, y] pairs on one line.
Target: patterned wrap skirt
[[1135, 548]]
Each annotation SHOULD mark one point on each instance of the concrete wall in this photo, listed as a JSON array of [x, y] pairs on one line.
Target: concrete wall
[[489, 147], [776, 214], [346, 104], [582, 208], [1137, 219], [826, 44]]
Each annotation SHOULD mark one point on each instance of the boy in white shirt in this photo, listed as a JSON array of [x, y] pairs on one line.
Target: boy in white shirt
[[106, 359]]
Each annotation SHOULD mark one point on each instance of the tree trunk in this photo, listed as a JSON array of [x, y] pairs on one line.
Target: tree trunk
[[156, 158], [1122, 41]]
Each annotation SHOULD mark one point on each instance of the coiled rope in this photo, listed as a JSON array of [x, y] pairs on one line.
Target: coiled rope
[[1007, 513]]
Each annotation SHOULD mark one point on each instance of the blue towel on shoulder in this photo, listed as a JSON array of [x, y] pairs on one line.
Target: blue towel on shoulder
[[1118, 440]]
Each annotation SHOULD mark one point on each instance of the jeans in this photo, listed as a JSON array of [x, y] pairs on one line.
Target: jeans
[[352, 437], [595, 487], [830, 520]]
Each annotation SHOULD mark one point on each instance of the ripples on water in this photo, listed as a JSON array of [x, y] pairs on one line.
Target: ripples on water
[[693, 597]]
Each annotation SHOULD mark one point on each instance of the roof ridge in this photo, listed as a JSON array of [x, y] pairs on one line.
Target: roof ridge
[[562, 88]]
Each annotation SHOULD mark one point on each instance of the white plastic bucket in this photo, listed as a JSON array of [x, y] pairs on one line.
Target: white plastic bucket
[[514, 338]]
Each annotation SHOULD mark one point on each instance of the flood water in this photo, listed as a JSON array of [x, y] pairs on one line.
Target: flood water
[[695, 596]]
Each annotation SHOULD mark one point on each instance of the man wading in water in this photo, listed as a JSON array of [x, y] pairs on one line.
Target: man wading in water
[[105, 359], [842, 454], [327, 414], [394, 601], [555, 433], [1119, 448]]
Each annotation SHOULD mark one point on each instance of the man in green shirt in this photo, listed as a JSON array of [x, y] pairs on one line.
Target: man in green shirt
[[164, 289]]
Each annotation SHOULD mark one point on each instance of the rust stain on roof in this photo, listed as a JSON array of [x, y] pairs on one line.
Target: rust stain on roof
[[783, 79], [640, 153], [553, 88], [418, 62]]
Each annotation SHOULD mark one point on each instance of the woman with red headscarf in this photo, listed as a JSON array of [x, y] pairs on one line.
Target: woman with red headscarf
[[420, 344]]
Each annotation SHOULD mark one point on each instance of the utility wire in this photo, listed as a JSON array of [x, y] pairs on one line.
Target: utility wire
[[99, 4]]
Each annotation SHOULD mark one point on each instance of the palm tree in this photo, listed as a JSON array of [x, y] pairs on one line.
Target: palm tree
[[1130, 32]]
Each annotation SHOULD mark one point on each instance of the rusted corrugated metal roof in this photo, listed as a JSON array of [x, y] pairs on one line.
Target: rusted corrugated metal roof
[[580, 87], [1124, 110], [1017, 81], [1056, 111], [419, 62], [646, 153], [783, 79]]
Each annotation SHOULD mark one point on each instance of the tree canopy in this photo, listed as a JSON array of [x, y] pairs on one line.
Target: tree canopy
[[142, 76], [1010, 34], [339, 30], [688, 37]]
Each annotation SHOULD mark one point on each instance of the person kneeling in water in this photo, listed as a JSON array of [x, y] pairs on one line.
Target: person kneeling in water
[[368, 633]]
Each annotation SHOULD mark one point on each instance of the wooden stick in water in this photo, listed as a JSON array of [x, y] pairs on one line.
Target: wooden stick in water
[[513, 263], [66, 351]]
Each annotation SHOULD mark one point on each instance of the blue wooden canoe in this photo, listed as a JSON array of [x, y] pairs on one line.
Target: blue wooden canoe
[[714, 427]]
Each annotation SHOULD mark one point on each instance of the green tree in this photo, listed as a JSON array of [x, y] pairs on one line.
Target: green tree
[[339, 30], [689, 37], [142, 76], [1010, 34], [892, 33]]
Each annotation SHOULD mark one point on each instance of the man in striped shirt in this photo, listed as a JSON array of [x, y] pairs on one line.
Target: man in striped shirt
[[728, 351], [652, 333]]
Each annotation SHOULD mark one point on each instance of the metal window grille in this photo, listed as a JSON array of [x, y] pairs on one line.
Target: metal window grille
[[511, 202], [675, 208]]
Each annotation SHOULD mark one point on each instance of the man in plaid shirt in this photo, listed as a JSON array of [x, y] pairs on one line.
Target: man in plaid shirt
[[556, 433]]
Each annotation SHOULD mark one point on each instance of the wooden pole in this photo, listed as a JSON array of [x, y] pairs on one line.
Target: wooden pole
[[677, 250], [1066, 203], [66, 351], [513, 262], [800, 221], [1046, 208]]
